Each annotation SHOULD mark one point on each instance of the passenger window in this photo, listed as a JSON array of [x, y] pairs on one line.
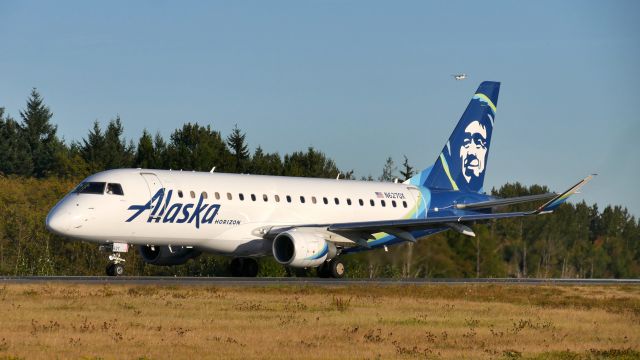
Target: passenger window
[[404, 204], [179, 193], [313, 199], [193, 194], [265, 198], [217, 195], [241, 196], [360, 202], [253, 197], [277, 197], [336, 201], [383, 203], [348, 201], [114, 189], [204, 195], [229, 196], [302, 199], [393, 202], [288, 198], [373, 203], [325, 201]]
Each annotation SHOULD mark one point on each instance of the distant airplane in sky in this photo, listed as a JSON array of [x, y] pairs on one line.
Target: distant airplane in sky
[[459, 76], [173, 216]]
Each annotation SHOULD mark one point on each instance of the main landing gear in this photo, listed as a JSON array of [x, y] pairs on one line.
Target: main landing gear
[[116, 265], [246, 267], [333, 268]]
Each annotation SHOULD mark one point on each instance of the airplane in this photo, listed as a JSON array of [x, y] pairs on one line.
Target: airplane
[[174, 216], [459, 76]]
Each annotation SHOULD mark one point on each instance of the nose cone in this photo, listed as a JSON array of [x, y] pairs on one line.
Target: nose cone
[[57, 222]]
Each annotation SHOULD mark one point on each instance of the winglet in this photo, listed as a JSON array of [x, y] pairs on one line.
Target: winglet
[[561, 198]]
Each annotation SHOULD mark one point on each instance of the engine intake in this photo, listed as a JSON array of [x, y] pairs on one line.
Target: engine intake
[[167, 255], [302, 249]]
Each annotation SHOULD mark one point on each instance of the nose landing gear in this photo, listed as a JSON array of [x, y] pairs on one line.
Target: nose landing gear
[[116, 265]]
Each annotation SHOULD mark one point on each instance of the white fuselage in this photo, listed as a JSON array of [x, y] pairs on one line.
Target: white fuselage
[[221, 213]]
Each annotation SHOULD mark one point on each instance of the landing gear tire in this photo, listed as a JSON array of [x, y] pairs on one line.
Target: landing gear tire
[[246, 267], [118, 269], [332, 269], [336, 269], [115, 270]]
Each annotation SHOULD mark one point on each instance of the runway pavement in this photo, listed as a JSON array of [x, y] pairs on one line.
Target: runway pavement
[[300, 281]]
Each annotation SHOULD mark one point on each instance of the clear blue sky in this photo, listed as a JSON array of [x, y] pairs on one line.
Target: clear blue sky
[[359, 80]]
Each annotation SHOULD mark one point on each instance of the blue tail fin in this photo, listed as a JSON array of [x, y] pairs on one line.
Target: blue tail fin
[[463, 160]]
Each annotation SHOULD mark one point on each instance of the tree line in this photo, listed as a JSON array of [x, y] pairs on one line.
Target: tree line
[[37, 168]]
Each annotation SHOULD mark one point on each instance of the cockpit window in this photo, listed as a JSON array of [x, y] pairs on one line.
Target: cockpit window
[[90, 188], [114, 189]]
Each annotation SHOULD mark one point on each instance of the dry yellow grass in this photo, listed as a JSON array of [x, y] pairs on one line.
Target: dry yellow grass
[[431, 321]]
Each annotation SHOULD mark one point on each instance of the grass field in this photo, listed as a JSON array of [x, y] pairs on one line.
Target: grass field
[[430, 321]]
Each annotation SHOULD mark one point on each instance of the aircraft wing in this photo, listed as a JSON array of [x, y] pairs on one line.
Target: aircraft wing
[[506, 201], [402, 227], [420, 224]]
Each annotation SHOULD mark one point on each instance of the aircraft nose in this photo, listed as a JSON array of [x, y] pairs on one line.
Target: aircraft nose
[[56, 222]]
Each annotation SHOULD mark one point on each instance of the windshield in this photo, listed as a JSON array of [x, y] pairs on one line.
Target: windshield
[[90, 188]]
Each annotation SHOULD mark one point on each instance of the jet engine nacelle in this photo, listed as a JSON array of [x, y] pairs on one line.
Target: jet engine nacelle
[[167, 255], [302, 249]]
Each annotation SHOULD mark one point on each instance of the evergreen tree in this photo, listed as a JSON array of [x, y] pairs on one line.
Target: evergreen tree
[[40, 134], [145, 153], [265, 164], [93, 148], [116, 152], [388, 170], [349, 175], [407, 170], [199, 148], [70, 163], [310, 164], [239, 150], [14, 149], [160, 155]]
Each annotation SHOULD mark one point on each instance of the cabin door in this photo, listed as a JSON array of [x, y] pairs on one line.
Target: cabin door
[[153, 183]]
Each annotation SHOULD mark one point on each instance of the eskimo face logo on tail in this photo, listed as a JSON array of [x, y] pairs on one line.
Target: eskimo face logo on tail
[[161, 210], [473, 151]]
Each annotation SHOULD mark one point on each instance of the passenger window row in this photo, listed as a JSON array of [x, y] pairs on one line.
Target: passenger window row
[[289, 199]]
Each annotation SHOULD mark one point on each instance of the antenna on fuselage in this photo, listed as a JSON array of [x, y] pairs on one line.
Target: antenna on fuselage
[[213, 169]]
